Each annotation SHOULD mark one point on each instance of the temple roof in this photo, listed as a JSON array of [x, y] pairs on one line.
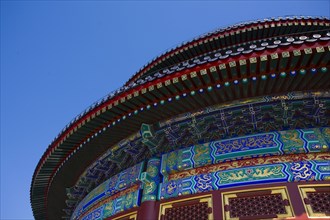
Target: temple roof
[[237, 34], [254, 59]]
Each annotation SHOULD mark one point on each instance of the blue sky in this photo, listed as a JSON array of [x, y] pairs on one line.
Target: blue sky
[[59, 57]]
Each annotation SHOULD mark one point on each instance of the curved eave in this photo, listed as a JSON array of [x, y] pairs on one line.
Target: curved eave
[[75, 145], [236, 34]]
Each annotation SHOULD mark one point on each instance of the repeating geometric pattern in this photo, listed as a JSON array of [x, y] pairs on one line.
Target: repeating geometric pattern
[[319, 201], [198, 211], [257, 206]]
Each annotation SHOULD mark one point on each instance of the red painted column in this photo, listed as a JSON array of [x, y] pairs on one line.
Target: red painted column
[[297, 203], [148, 210], [217, 204]]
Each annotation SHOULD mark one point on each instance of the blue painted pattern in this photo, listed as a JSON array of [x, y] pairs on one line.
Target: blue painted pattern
[[150, 187], [259, 145], [303, 149], [115, 184], [280, 172]]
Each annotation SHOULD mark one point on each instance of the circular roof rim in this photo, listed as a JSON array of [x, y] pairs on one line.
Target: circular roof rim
[[221, 29]]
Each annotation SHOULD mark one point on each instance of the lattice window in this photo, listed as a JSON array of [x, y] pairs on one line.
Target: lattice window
[[198, 208], [267, 205], [257, 204], [316, 199]]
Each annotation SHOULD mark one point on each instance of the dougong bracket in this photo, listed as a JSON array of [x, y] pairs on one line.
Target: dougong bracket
[[148, 138]]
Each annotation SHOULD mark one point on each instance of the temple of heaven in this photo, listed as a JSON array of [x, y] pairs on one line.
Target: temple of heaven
[[234, 124]]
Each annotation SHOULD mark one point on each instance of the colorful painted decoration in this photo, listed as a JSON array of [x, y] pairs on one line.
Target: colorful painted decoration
[[270, 173], [259, 145], [151, 182], [116, 184]]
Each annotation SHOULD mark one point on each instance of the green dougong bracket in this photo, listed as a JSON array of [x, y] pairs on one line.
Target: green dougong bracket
[[147, 133]]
